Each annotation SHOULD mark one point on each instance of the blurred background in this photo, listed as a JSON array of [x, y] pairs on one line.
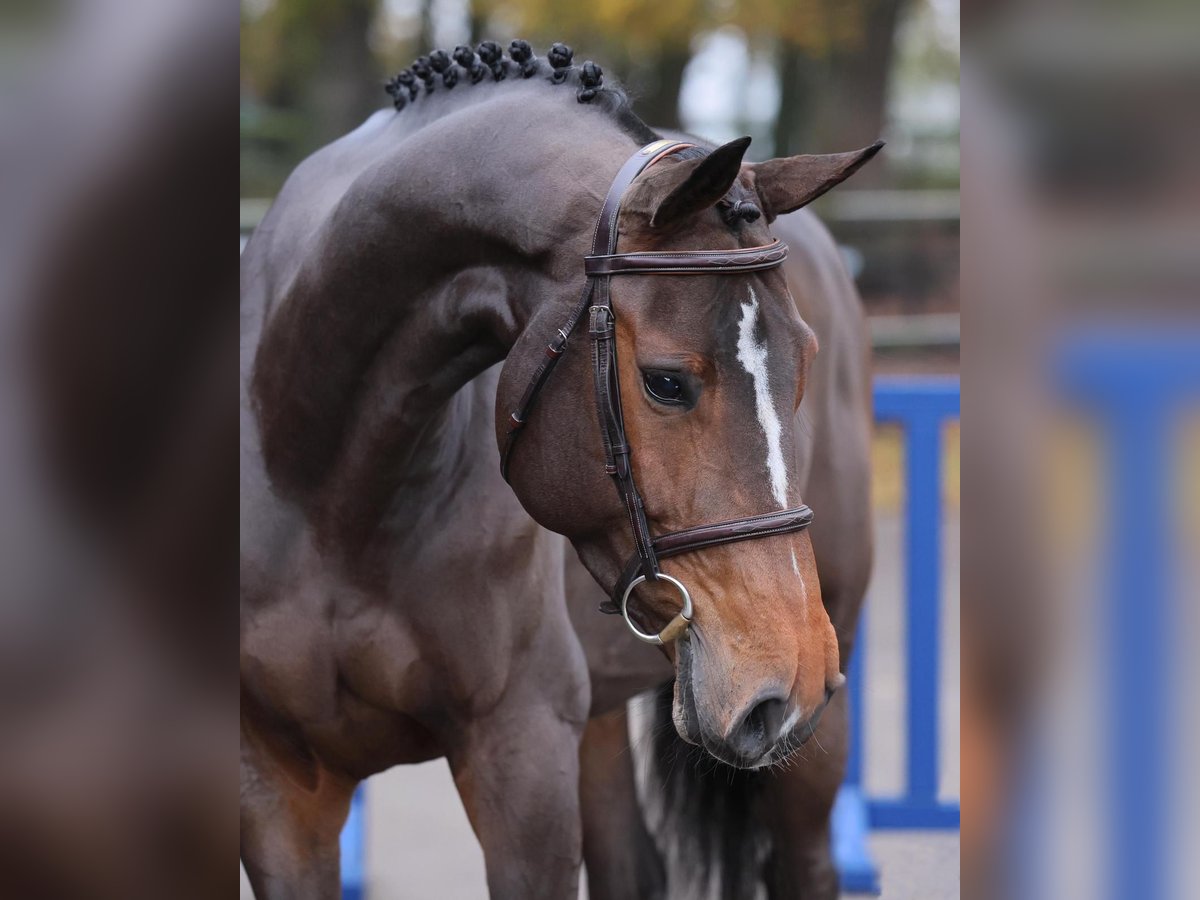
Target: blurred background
[[1081, 550], [799, 76]]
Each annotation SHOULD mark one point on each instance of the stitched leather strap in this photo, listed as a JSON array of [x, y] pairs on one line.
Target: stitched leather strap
[[604, 242], [553, 353], [701, 537], [617, 452], [603, 332], [688, 262]]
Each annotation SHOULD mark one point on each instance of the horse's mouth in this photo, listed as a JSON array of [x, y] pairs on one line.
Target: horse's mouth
[[687, 721]]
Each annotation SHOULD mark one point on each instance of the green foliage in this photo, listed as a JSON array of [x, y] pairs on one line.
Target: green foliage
[[638, 24], [817, 26], [281, 43], [302, 60]]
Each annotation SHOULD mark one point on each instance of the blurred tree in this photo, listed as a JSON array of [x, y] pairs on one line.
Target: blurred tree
[[425, 34], [477, 21], [313, 55], [833, 75], [648, 44], [834, 57], [322, 61]]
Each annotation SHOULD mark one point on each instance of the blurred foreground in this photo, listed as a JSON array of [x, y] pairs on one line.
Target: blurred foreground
[[1081, 299], [118, 440]]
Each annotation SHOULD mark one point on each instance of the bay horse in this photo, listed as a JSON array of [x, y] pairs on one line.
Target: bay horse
[[715, 826], [399, 601]]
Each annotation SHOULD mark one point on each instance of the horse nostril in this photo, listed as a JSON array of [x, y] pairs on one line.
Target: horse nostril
[[758, 729]]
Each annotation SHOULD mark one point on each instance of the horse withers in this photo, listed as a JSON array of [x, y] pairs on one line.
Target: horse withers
[[398, 603]]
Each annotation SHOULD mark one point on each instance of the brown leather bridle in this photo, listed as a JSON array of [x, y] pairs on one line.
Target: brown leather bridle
[[600, 266]]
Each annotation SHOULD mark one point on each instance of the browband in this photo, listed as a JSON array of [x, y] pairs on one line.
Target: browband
[[688, 262]]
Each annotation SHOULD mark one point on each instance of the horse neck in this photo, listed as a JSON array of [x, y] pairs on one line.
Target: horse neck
[[425, 272], [517, 192]]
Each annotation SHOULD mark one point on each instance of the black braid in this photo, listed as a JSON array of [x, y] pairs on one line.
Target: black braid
[[493, 58], [439, 61], [522, 55], [488, 58], [407, 81], [560, 60], [422, 69], [591, 77], [465, 57], [397, 93]]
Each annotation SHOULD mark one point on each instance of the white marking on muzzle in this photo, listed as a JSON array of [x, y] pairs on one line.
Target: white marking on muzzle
[[790, 723], [753, 357]]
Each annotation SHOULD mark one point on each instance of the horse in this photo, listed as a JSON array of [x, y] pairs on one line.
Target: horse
[[401, 603], [720, 827]]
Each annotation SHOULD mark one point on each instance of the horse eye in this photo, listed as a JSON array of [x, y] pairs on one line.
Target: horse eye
[[666, 388]]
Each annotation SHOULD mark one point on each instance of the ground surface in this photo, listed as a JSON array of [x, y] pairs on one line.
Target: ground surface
[[420, 845]]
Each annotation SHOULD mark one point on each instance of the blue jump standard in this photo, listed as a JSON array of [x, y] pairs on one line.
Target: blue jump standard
[[353, 849], [922, 407], [1137, 383]]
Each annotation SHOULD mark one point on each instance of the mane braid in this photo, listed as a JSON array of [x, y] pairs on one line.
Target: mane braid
[[442, 71]]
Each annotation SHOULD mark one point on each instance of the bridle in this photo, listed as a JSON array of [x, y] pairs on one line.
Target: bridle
[[600, 266]]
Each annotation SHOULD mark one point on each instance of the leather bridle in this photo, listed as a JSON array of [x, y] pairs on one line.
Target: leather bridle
[[600, 266]]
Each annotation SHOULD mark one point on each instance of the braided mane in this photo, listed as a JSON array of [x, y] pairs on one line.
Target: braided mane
[[441, 71]]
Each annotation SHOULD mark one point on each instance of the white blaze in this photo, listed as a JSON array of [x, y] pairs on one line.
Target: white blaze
[[753, 357]]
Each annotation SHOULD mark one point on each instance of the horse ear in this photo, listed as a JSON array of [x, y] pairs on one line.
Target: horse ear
[[700, 183], [789, 183]]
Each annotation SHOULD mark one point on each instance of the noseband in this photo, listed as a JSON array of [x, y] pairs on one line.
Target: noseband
[[600, 266]]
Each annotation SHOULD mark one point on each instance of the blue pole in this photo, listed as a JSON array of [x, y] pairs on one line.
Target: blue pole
[[922, 406], [353, 849], [923, 451], [1137, 382], [855, 677], [851, 818], [1137, 638]]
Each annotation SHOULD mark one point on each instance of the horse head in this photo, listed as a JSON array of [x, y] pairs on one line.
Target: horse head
[[710, 373]]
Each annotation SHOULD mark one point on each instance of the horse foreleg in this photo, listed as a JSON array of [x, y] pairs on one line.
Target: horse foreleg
[[518, 776], [798, 802], [292, 814], [622, 860]]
